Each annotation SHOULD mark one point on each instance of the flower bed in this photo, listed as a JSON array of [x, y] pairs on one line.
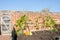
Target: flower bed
[[40, 35]]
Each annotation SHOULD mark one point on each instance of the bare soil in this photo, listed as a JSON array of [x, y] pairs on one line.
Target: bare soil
[[40, 35]]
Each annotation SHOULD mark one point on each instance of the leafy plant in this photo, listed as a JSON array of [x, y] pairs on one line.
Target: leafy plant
[[54, 30], [20, 22], [49, 22]]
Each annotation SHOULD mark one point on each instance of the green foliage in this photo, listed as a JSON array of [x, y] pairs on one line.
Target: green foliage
[[49, 22], [20, 22], [54, 30], [45, 10]]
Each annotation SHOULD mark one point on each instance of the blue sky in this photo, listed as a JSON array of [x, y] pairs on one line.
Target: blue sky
[[30, 5]]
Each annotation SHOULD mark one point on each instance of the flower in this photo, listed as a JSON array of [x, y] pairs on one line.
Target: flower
[[28, 33]]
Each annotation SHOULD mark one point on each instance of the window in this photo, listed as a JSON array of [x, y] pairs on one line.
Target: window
[[5, 20], [4, 28]]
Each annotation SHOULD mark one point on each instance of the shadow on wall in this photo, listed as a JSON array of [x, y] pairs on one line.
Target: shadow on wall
[[0, 30], [14, 35]]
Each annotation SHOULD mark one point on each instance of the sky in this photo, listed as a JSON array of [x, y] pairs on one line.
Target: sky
[[30, 5]]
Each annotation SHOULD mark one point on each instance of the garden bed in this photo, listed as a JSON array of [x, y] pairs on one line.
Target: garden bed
[[40, 35]]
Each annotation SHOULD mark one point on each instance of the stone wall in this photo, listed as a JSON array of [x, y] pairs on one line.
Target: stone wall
[[33, 15], [15, 15], [5, 37]]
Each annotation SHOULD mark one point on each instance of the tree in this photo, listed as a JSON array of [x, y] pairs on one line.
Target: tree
[[45, 10]]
